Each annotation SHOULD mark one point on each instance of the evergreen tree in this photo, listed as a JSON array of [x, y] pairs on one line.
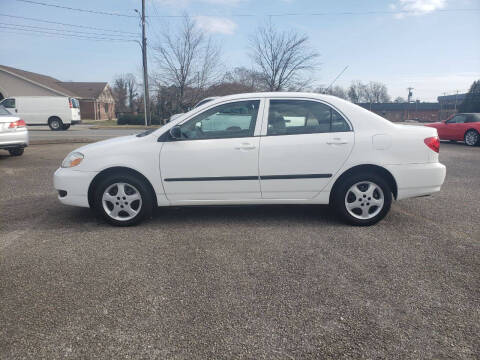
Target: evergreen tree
[[471, 103]]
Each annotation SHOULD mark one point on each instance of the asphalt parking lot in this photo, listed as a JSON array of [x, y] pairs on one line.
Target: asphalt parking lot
[[273, 282], [76, 133]]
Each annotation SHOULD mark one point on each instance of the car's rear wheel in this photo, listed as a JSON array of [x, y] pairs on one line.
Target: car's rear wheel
[[55, 123], [363, 199], [472, 138], [16, 151], [123, 200]]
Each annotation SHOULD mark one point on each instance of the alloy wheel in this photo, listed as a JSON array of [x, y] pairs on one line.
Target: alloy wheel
[[364, 200], [471, 138], [121, 201]]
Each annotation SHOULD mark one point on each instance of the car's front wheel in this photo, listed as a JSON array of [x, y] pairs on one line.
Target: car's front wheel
[[363, 199], [472, 138], [123, 200]]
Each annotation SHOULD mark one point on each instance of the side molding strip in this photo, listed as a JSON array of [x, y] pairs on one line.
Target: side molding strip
[[262, 177]]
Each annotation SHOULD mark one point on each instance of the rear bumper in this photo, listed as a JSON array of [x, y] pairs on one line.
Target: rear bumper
[[75, 122], [415, 180], [14, 139], [72, 186]]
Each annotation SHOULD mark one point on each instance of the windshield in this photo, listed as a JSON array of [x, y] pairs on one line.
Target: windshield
[[4, 111]]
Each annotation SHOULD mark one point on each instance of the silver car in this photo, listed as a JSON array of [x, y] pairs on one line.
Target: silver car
[[13, 133]]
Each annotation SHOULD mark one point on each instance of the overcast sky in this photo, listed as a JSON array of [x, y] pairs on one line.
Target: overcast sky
[[427, 44]]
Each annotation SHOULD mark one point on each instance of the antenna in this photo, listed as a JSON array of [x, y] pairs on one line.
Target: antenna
[[333, 82]]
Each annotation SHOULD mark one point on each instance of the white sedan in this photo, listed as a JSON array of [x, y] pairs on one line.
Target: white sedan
[[259, 148]]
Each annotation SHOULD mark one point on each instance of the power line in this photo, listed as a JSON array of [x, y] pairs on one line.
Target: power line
[[84, 37], [338, 13], [77, 9], [20, 26], [57, 36], [72, 25]]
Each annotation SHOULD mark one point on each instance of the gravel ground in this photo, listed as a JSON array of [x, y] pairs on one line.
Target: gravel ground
[[273, 282]]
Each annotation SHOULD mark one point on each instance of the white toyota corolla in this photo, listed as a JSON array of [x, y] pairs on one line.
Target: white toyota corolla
[[259, 148]]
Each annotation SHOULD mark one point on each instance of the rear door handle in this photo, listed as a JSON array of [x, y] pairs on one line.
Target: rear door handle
[[337, 141], [245, 146]]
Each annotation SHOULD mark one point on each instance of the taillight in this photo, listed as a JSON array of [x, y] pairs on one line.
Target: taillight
[[433, 143], [70, 103], [17, 124]]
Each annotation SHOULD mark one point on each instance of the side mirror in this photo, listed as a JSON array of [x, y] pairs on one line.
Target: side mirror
[[176, 132]]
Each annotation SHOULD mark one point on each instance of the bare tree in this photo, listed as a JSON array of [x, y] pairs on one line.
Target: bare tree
[[283, 58], [187, 60], [336, 90], [357, 92], [132, 87], [245, 78], [373, 92], [119, 90], [400, 99], [377, 92]]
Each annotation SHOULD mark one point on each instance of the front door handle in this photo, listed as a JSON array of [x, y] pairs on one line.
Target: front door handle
[[337, 141], [245, 146]]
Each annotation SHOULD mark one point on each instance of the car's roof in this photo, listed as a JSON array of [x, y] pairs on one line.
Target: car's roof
[[279, 94]]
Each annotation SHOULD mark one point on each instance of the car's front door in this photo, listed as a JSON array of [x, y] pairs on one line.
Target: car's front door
[[455, 127], [305, 144], [216, 156]]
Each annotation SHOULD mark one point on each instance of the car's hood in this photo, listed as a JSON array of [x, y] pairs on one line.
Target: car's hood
[[106, 146]]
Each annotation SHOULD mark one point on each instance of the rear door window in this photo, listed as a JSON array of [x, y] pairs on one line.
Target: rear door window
[[293, 117]]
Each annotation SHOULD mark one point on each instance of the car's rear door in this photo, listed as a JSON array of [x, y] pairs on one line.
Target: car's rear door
[[304, 143], [217, 156]]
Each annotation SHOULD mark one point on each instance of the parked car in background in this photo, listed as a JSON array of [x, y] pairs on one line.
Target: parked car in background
[[13, 133], [258, 148], [460, 127], [200, 103], [58, 112]]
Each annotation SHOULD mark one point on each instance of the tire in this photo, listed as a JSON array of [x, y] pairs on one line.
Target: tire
[[472, 138], [16, 151], [66, 126], [130, 207], [361, 192], [55, 123]]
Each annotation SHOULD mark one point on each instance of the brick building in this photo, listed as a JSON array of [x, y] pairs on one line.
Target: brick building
[[96, 99], [397, 112]]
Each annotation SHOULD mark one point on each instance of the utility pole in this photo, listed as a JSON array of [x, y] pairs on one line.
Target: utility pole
[[146, 97], [410, 94]]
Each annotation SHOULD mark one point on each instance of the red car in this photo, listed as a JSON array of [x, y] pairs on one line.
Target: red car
[[461, 127]]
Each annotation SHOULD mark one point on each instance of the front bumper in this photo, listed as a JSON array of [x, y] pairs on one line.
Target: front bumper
[[13, 139], [415, 180], [72, 186]]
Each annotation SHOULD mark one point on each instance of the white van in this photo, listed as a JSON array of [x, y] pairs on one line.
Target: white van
[[59, 112]]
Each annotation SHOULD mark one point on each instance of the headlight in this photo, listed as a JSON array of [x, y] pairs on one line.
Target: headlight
[[72, 160]]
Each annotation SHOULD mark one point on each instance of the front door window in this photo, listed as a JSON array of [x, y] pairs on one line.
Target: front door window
[[232, 120]]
